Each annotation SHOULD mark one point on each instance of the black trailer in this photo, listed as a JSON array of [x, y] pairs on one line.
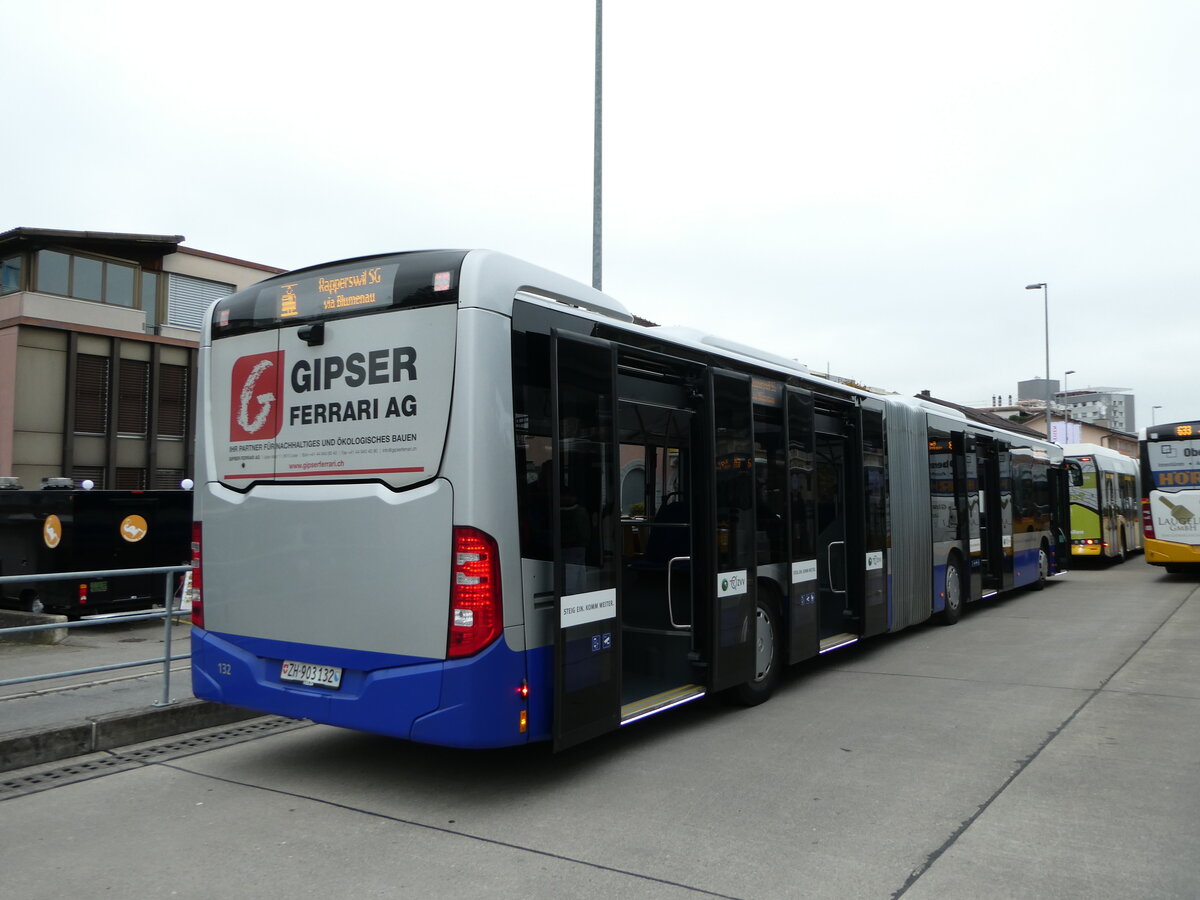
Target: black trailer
[[48, 531]]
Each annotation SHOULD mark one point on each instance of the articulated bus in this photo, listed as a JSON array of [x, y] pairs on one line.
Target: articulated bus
[[454, 498], [1171, 495], [1104, 502]]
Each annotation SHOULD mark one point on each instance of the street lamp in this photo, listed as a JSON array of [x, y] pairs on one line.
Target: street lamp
[[1152, 409], [1045, 289], [1066, 408]]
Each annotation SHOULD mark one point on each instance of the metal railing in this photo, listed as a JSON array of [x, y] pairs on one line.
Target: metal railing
[[169, 573]]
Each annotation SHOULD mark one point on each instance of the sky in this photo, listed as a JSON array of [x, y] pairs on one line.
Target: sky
[[865, 187]]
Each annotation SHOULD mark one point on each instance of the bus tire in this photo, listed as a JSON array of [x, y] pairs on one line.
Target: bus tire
[[952, 611], [1043, 568], [768, 654]]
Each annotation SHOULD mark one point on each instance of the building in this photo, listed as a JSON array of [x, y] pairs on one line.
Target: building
[[1067, 426], [98, 343], [1108, 407]]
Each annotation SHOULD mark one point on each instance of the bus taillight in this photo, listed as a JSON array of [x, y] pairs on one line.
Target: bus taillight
[[83, 595], [197, 595], [476, 617], [1147, 519]]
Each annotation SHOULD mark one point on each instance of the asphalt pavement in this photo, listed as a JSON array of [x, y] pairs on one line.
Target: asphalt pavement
[[1048, 745]]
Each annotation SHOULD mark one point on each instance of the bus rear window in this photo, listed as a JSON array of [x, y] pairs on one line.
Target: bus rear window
[[351, 288]]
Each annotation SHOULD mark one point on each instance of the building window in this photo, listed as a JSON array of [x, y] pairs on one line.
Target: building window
[[53, 272], [133, 405], [10, 274], [172, 401], [86, 278], [91, 394], [149, 295]]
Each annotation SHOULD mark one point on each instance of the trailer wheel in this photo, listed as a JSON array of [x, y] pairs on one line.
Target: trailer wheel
[[952, 611], [768, 656], [1043, 568]]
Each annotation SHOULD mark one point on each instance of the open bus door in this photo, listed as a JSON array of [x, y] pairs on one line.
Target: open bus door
[[587, 644], [1060, 516], [729, 567]]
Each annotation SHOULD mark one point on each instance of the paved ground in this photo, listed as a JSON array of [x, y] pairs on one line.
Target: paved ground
[[1046, 746]]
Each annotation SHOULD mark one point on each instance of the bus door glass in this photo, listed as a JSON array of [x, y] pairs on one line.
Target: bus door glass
[[587, 683], [1004, 466], [874, 524], [988, 474], [1061, 486], [731, 562], [1109, 518], [658, 596], [835, 612], [967, 478], [802, 485]]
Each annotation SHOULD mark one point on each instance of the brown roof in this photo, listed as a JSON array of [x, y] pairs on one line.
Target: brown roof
[[983, 418]]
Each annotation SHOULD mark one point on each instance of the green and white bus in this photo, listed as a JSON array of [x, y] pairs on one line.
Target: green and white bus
[[1105, 494]]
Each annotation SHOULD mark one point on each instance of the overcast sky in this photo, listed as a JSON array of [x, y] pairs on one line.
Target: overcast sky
[[867, 186]]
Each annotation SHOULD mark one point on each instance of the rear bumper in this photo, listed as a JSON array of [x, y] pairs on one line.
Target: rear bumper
[[1162, 553], [471, 703]]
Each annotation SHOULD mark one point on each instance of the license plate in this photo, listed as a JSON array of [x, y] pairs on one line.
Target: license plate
[[307, 673]]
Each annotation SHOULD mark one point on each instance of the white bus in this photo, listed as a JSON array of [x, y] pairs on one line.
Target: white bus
[[458, 499]]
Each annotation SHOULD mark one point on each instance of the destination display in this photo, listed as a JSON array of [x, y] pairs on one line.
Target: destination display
[[375, 284]]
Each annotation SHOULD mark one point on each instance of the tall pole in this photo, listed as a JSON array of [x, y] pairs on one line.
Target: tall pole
[[596, 147], [1046, 299]]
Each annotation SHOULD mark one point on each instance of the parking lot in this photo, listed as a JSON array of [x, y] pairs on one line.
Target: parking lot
[[1046, 746]]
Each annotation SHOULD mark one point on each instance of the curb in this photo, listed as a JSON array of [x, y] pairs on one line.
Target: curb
[[10, 618], [32, 746]]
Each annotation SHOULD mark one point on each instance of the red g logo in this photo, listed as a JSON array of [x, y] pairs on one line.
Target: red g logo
[[254, 404]]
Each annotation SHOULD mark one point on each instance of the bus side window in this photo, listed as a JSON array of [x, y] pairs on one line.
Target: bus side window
[[1076, 471]]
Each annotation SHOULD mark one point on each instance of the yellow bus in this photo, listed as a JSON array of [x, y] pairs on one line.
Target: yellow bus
[[1171, 495]]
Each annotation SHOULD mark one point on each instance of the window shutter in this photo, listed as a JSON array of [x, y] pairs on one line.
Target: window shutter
[[134, 407], [172, 400], [91, 394], [167, 479], [94, 474], [188, 299], [130, 479]]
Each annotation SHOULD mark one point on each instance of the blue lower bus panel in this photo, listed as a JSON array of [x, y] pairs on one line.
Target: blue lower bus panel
[[474, 702]]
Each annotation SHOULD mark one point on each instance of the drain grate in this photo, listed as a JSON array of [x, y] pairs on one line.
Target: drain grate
[[220, 736], [44, 778], [48, 776]]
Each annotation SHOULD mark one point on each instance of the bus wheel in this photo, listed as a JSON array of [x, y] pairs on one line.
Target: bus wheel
[[30, 601], [767, 656], [952, 611], [1043, 568]]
